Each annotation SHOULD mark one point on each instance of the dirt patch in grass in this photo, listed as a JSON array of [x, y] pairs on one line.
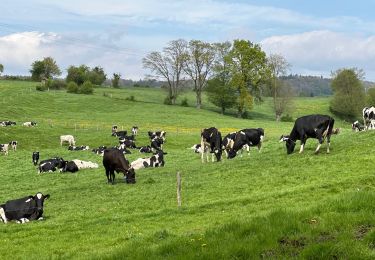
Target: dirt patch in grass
[[295, 243], [361, 231]]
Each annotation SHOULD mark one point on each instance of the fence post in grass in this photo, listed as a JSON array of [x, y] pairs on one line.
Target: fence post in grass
[[178, 189]]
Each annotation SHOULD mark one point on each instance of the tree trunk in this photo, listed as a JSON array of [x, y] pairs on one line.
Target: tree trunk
[[199, 99], [222, 110], [278, 117]]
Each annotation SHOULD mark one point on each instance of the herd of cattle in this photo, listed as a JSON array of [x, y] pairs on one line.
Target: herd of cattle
[[29, 208]]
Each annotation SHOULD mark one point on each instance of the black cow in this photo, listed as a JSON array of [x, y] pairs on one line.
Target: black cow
[[114, 160], [211, 142], [35, 157], [145, 149], [51, 165], [70, 166], [246, 138], [23, 210], [311, 126], [368, 114], [120, 133]]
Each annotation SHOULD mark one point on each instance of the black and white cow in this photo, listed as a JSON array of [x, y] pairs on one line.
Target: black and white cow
[[114, 160], [35, 157], [246, 138], [75, 165], [357, 126], [368, 114], [51, 165], [78, 148], [23, 210], [145, 149], [157, 144], [211, 142], [114, 129], [7, 123], [128, 143], [311, 126], [196, 148], [135, 130], [14, 145], [120, 133], [161, 134], [228, 142], [29, 124], [157, 160], [99, 150], [4, 148]]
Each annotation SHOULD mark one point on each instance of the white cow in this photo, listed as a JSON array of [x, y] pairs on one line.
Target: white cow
[[85, 165], [67, 138], [29, 124], [4, 148]]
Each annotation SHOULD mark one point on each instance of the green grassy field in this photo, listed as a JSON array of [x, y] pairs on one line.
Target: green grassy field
[[268, 205]]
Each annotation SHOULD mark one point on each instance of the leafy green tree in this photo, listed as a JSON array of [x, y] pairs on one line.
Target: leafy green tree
[[97, 76], [200, 57], [86, 88], [44, 69], [1, 68], [72, 87], [116, 80], [221, 94], [77, 74], [248, 68], [371, 97], [348, 93]]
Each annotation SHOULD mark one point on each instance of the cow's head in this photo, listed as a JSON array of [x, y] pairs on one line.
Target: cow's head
[[289, 143], [218, 152], [130, 176], [39, 199], [231, 154]]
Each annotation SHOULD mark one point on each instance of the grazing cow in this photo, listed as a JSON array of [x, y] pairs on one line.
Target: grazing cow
[[196, 148], [246, 138], [368, 114], [35, 157], [114, 129], [14, 145], [161, 134], [357, 126], [29, 124], [23, 210], [4, 148], [99, 150], [157, 160], [67, 138], [78, 148], [135, 130], [228, 142], [120, 133], [51, 165], [157, 144], [114, 160], [311, 126], [75, 165], [211, 142], [145, 149]]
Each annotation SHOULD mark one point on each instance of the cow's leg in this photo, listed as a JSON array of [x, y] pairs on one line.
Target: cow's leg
[[22, 220], [112, 176], [328, 142], [321, 140], [212, 157], [303, 142], [108, 174], [2, 215]]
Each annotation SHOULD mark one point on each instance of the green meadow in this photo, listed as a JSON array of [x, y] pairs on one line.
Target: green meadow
[[267, 205]]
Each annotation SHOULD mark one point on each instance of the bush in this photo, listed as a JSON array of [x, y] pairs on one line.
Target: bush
[[287, 118], [184, 102], [55, 84], [86, 88], [72, 87], [131, 98], [167, 101], [41, 87]]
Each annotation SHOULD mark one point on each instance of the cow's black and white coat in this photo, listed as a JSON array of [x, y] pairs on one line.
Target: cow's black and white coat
[[4, 148], [211, 142], [51, 165], [99, 150], [357, 126], [135, 130], [7, 123], [368, 114], [24, 209], [246, 138], [157, 144], [35, 157], [14, 145], [29, 124], [78, 148], [145, 149], [196, 148], [157, 160], [75, 165], [312, 126], [120, 133]]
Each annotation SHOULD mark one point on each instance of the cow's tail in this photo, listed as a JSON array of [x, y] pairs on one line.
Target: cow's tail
[[329, 130]]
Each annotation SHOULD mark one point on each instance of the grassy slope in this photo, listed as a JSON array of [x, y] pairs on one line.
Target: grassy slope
[[269, 205]]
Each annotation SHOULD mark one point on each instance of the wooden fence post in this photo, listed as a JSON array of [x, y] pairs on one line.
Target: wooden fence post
[[178, 189]]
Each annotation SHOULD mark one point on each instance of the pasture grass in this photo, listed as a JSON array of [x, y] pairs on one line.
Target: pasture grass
[[268, 205]]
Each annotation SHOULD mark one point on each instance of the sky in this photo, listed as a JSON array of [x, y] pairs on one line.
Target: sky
[[316, 37]]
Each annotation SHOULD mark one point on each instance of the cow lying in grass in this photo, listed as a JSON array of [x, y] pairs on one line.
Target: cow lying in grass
[[4, 148], [51, 165], [157, 160], [23, 210], [78, 148], [76, 165]]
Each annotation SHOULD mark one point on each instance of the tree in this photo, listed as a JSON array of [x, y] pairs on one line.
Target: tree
[[283, 98], [371, 97], [77, 74], [96, 76], [220, 94], [1, 68], [348, 93], [279, 66], [168, 65], [44, 69], [116, 80], [198, 65], [248, 68]]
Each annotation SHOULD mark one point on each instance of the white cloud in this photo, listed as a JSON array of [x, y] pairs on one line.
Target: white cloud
[[324, 51]]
